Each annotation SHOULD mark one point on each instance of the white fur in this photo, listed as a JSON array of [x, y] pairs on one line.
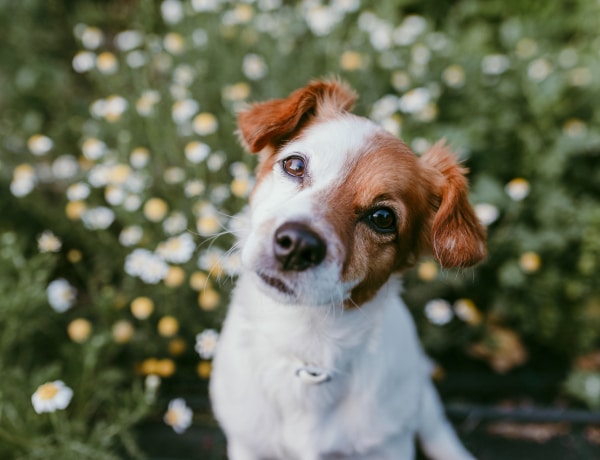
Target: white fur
[[378, 395]]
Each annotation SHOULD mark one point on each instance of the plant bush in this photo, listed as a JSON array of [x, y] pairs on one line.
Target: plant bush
[[121, 176]]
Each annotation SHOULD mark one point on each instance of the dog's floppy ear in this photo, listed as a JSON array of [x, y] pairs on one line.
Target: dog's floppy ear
[[457, 237], [274, 121]]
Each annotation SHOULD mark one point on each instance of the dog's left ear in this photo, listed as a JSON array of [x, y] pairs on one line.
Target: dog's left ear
[[457, 237], [275, 121]]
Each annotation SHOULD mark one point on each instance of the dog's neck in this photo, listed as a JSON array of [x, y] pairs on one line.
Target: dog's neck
[[324, 336]]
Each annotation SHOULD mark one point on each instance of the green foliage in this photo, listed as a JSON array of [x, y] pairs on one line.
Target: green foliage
[[122, 145]]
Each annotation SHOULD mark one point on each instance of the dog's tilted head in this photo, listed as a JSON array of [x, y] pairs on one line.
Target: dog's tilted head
[[340, 204]]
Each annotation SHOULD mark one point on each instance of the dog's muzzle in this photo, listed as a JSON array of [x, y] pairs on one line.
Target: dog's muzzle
[[297, 247]]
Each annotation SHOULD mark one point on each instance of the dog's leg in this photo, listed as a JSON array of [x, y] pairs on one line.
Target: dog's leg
[[438, 439]]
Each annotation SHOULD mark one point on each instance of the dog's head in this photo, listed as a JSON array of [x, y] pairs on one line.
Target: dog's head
[[340, 204]]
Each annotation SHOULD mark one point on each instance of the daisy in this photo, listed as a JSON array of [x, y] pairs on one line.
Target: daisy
[[439, 312], [178, 415], [51, 396], [146, 265], [177, 249], [61, 295], [206, 343], [49, 242], [98, 218]]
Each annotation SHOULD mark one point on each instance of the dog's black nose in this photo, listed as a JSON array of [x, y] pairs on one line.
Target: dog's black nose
[[297, 247]]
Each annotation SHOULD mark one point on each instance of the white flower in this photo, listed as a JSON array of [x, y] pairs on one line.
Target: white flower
[[145, 104], [539, 69], [211, 259], [206, 343], [51, 396], [415, 100], [136, 59], [131, 235], [184, 110], [384, 107], [49, 242], [146, 265], [194, 188], [61, 295], [84, 61], [216, 161], [409, 30], [92, 37], [132, 203], [381, 37], [78, 191], [39, 144], [195, 151], [22, 186], [172, 11], [178, 415], [517, 189], [205, 5], [177, 249], [486, 213], [99, 175], [439, 311], [93, 148], [495, 64], [128, 40], [254, 66], [98, 218], [65, 167], [321, 20], [175, 223]]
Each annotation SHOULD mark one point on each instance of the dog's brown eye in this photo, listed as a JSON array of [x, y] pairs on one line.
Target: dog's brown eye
[[294, 166], [383, 220]]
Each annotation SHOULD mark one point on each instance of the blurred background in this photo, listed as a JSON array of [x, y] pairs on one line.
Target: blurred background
[[120, 176]]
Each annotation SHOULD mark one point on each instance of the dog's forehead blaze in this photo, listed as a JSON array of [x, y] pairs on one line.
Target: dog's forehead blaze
[[387, 173]]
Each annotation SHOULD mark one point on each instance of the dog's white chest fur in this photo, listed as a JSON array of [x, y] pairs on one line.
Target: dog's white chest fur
[[318, 358], [372, 394]]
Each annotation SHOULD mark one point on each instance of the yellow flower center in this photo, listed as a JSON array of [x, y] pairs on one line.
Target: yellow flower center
[[47, 391]]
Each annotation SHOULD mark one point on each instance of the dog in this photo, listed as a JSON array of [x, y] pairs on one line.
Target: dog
[[318, 357]]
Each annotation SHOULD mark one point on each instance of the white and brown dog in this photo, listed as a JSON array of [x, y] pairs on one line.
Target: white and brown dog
[[319, 357]]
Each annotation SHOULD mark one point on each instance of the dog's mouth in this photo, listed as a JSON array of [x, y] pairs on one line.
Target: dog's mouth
[[276, 283]]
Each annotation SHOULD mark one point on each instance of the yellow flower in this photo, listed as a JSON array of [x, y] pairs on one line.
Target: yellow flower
[[175, 276], [119, 173], [205, 123], [454, 76], [49, 242], [155, 209], [23, 171], [208, 225], [351, 60], [142, 307], [467, 311], [122, 331], [240, 187], [74, 256], [174, 43], [204, 369], [148, 366], [530, 262], [236, 92], [177, 346], [75, 209], [199, 281], [165, 367], [107, 63], [168, 326], [208, 299], [428, 271], [79, 330]]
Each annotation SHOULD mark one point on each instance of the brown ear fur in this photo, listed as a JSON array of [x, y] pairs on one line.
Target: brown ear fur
[[274, 121], [457, 236]]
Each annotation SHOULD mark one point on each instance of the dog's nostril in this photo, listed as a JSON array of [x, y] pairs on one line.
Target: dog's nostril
[[297, 247]]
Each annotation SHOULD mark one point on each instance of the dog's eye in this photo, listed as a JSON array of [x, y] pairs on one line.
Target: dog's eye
[[294, 166], [383, 220]]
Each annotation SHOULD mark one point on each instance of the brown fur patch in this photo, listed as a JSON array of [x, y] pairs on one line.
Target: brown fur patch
[[273, 122], [387, 175]]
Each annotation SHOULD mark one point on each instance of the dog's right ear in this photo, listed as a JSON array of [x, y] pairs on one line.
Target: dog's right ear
[[273, 122]]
